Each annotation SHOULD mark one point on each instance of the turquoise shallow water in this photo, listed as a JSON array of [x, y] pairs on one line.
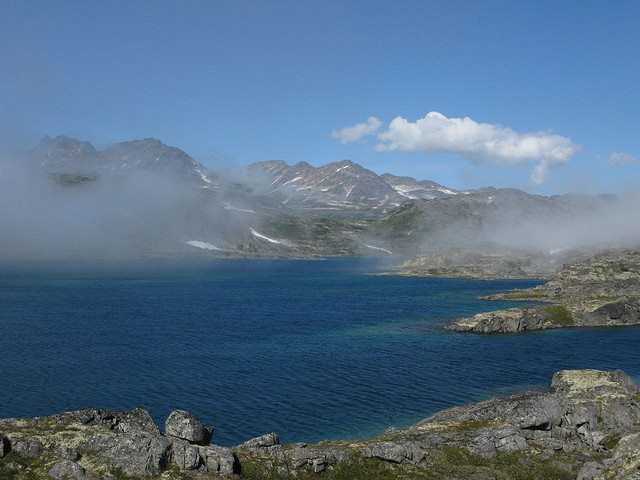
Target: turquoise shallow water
[[311, 350]]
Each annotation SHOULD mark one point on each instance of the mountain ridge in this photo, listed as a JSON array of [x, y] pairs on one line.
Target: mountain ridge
[[157, 200], [342, 185]]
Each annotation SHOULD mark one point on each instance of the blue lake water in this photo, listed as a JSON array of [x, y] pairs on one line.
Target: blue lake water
[[311, 350]]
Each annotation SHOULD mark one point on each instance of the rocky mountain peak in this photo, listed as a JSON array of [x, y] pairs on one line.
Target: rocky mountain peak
[[63, 149], [62, 154], [343, 188]]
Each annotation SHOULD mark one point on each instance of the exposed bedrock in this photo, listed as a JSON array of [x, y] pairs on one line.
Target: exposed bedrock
[[602, 291]]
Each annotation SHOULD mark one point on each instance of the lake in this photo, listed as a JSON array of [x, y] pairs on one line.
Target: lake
[[309, 349]]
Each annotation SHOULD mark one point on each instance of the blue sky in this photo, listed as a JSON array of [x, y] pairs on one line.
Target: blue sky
[[236, 82]]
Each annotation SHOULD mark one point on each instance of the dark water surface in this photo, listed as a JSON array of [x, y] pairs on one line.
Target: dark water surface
[[311, 350]]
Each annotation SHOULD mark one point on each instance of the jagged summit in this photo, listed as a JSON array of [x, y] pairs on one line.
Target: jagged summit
[[343, 187]]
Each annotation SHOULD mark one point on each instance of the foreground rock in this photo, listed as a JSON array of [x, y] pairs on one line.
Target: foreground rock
[[603, 291], [587, 426], [185, 425], [103, 444]]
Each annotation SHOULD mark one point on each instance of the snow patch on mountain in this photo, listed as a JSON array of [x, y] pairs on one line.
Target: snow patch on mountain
[[202, 245], [271, 240]]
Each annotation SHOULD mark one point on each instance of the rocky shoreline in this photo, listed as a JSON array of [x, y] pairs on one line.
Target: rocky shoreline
[[602, 291], [585, 426]]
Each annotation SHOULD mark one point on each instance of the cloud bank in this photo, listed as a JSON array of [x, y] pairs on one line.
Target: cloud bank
[[478, 142], [622, 159], [358, 131]]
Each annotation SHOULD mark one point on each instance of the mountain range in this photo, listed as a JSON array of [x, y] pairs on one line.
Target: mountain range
[[157, 200], [342, 189]]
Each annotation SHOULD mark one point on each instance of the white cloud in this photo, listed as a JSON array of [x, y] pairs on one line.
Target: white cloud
[[621, 159], [479, 142], [358, 131]]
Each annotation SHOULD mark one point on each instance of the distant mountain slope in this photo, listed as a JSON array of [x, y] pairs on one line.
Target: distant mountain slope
[[503, 216], [64, 155], [341, 189], [143, 198]]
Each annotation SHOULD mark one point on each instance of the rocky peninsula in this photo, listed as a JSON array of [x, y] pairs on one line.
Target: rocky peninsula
[[600, 291], [585, 426]]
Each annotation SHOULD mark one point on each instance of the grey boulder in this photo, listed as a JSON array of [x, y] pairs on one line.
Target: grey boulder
[[27, 448], [185, 425], [67, 470], [263, 441], [137, 419], [395, 452], [219, 460], [135, 453], [185, 455]]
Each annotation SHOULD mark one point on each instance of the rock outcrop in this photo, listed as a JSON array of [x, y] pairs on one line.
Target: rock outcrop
[[97, 444], [586, 426], [603, 291]]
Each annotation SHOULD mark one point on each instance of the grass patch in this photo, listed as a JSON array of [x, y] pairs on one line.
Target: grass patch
[[523, 295], [611, 442], [447, 463], [16, 467], [433, 271], [559, 315], [463, 426]]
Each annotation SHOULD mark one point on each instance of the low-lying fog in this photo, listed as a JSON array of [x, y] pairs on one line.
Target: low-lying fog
[[148, 212]]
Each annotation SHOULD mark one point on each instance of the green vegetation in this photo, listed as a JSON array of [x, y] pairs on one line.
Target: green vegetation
[[15, 467], [433, 271], [611, 442], [464, 425], [523, 295], [559, 315], [443, 464]]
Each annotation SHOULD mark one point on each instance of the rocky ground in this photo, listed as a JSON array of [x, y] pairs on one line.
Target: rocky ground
[[603, 290], [586, 426], [482, 262]]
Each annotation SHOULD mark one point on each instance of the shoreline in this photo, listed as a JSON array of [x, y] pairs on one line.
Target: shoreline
[[586, 424]]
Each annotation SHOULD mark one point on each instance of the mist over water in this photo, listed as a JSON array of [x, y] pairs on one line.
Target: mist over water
[[154, 211], [135, 213]]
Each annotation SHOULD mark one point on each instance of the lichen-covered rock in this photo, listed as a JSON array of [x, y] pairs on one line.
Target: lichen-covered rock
[[512, 320], [66, 452], [91, 416], [624, 464], [219, 460], [185, 425], [263, 441], [67, 470], [185, 455], [27, 448], [396, 452], [136, 419], [511, 443], [135, 453]]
